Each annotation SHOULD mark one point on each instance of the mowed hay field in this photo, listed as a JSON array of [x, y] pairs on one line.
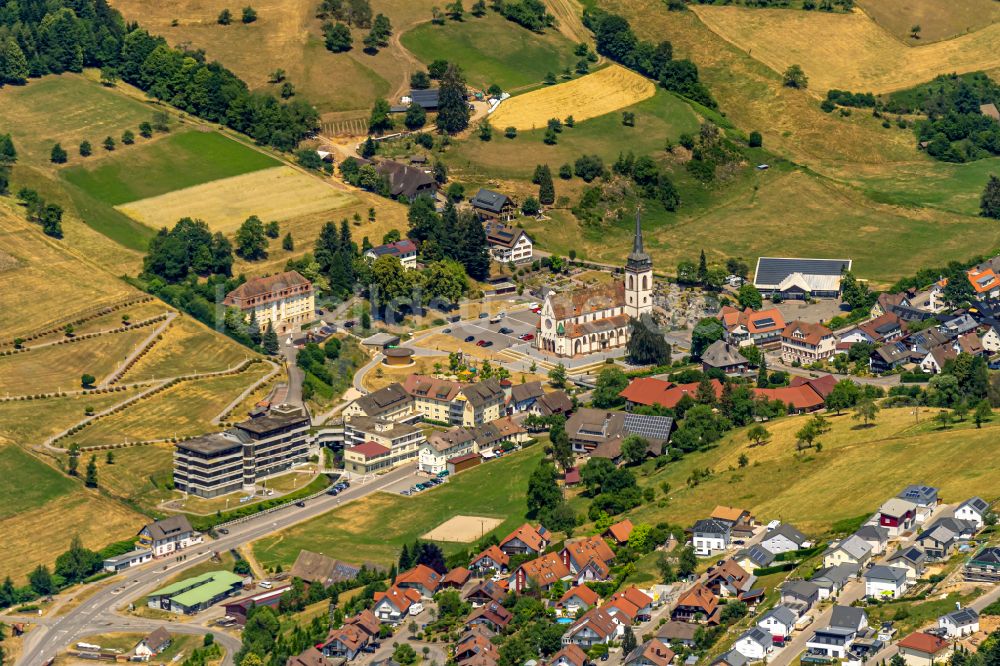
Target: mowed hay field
[[139, 473], [59, 367], [41, 510], [596, 94], [182, 410], [492, 50], [20, 424], [937, 20], [187, 347], [46, 281], [847, 51], [278, 193], [371, 528], [856, 471]]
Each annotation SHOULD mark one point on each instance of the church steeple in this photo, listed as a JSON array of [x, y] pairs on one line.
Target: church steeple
[[638, 260]]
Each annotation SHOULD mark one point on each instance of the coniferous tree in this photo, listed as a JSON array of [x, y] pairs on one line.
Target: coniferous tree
[[453, 109], [91, 479], [58, 155], [13, 64], [989, 204], [546, 190], [270, 340]]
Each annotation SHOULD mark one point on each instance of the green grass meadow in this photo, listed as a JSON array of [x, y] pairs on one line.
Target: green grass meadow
[[27, 483], [492, 50], [181, 160], [374, 528]]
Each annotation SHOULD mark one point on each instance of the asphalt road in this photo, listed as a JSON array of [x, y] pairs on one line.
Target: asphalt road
[[98, 613]]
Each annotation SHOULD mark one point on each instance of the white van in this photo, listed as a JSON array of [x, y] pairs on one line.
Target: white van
[[266, 584]]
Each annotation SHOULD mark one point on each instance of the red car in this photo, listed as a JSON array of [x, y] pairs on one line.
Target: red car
[[481, 343], [536, 310], [528, 336]]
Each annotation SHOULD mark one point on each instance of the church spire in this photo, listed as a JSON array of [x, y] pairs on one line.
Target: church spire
[[638, 259]]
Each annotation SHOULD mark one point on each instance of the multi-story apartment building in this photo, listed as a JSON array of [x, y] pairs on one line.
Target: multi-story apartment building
[[284, 301], [374, 444], [247, 453], [456, 403], [442, 446], [391, 403], [807, 343]]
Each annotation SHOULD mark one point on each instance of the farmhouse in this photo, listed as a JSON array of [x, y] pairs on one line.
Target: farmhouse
[[649, 391], [720, 355], [167, 536], [493, 206], [800, 278], [405, 250], [406, 181], [751, 327], [426, 98], [194, 595], [508, 245], [317, 568], [283, 301], [698, 604], [807, 343], [596, 318], [601, 433]]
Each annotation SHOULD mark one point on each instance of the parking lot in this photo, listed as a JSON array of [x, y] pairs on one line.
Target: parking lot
[[481, 329]]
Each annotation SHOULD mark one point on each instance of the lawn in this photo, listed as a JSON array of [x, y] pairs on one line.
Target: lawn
[[139, 473], [658, 118], [46, 282], [817, 41], [26, 483], [19, 422], [184, 409], [374, 528], [857, 469], [937, 20], [188, 347], [183, 159], [180, 645], [493, 50]]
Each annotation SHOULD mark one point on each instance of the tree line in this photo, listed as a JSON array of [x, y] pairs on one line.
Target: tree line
[[52, 38]]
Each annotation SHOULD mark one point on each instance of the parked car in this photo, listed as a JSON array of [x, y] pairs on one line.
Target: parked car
[[488, 343], [481, 343], [505, 330], [527, 336], [333, 492], [484, 315], [222, 530], [349, 323], [470, 338], [447, 330], [300, 504]]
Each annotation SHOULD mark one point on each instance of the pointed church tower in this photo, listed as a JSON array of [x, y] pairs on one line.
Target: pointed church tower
[[638, 276]]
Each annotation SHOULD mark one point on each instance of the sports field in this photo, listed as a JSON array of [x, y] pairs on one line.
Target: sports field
[[183, 159], [188, 347], [371, 529], [596, 94], [45, 280], [846, 51], [182, 410], [59, 367], [493, 50], [278, 193], [857, 469], [937, 20], [463, 529]]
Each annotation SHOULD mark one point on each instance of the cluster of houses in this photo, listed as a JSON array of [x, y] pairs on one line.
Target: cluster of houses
[[380, 430]]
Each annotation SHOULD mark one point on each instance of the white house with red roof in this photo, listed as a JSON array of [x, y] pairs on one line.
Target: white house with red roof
[[393, 605]]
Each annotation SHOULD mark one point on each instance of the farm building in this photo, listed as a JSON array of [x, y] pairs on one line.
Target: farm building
[[406, 181], [490, 205], [238, 608], [792, 278]]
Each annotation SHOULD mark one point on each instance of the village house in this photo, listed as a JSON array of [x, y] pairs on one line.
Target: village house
[[834, 640], [284, 301], [577, 598], [799, 397], [421, 578], [991, 338], [806, 343], [698, 604], [393, 605], [726, 358], [922, 649], [751, 327], [441, 446], [852, 550], [680, 633], [753, 558], [554, 402], [593, 627], [491, 559], [390, 403], [784, 539], [484, 592], [650, 392], [730, 658], [570, 655], [984, 566], [974, 510], [629, 606], [492, 615], [153, 644], [831, 580], [496, 434], [885, 582], [596, 318], [526, 540], [317, 568], [600, 432], [943, 536], [778, 622], [741, 522], [960, 622], [755, 644], [885, 328], [619, 532], [729, 579], [650, 653], [799, 595], [524, 396], [475, 648], [508, 245], [542, 573], [406, 181], [924, 497], [309, 657], [897, 516], [795, 278], [709, 536], [456, 403], [490, 205], [167, 536], [405, 250], [588, 559], [911, 558]]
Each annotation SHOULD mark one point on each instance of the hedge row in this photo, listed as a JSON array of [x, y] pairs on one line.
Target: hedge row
[[80, 320]]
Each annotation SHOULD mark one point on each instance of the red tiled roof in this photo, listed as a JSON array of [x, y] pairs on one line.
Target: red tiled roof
[[621, 530], [495, 554], [432, 388], [572, 654], [589, 548], [823, 385], [401, 598], [527, 535], [574, 303], [584, 593], [545, 570], [701, 597], [811, 333], [926, 643], [798, 397], [731, 318], [268, 287], [649, 391], [572, 476], [421, 575], [457, 576], [370, 449]]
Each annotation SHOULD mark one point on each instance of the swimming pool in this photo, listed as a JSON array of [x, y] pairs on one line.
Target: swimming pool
[[564, 620]]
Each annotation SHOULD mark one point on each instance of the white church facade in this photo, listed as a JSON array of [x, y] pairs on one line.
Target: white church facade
[[593, 319]]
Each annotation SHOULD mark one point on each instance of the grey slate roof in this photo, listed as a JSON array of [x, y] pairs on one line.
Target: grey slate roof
[[169, 527], [710, 526], [772, 270], [837, 575], [962, 616], [976, 503], [910, 554], [731, 658], [757, 635], [846, 617], [872, 533], [882, 572], [787, 530], [489, 200], [383, 400], [782, 614], [802, 589], [720, 354], [760, 556], [920, 495], [426, 98]]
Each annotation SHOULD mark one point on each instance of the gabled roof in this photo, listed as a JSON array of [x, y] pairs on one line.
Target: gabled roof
[[620, 531], [919, 494], [571, 654], [650, 391], [583, 593], [910, 555], [404, 179], [781, 614], [896, 507], [925, 643], [421, 575], [895, 575], [534, 538], [556, 402], [489, 200], [545, 570], [652, 651], [400, 598], [597, 620], [267, 287], [756, 322], [397, 249], [369, 450], [962, 617], [847, 617], [526, 391], [772, 271], [802, 396], [730, 514], [581, 551], [757, 635], [383, 400], [710, 526], [977, 504], [168, 527], [805, 331], [729, 572], [720, 354], [854, 546], [568, 304], [836, 575], [757, 554], [492, 612], [822, 385], [487, 588], [788, 531], [701, 597], [802, 589], [873, 533], [731, 658], [494, 553], [457, 576]]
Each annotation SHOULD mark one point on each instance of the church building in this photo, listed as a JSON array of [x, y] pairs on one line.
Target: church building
[[593, 319]]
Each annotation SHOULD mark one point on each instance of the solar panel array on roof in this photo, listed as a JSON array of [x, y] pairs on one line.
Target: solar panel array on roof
[[764, 323], [425, 98], [651, 427], [772, 270]]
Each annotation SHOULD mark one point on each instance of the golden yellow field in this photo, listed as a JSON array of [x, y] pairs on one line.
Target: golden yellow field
[[279, 193], [846, 51], [188, 347], [45, 281], [937, 20], [604, 91]]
